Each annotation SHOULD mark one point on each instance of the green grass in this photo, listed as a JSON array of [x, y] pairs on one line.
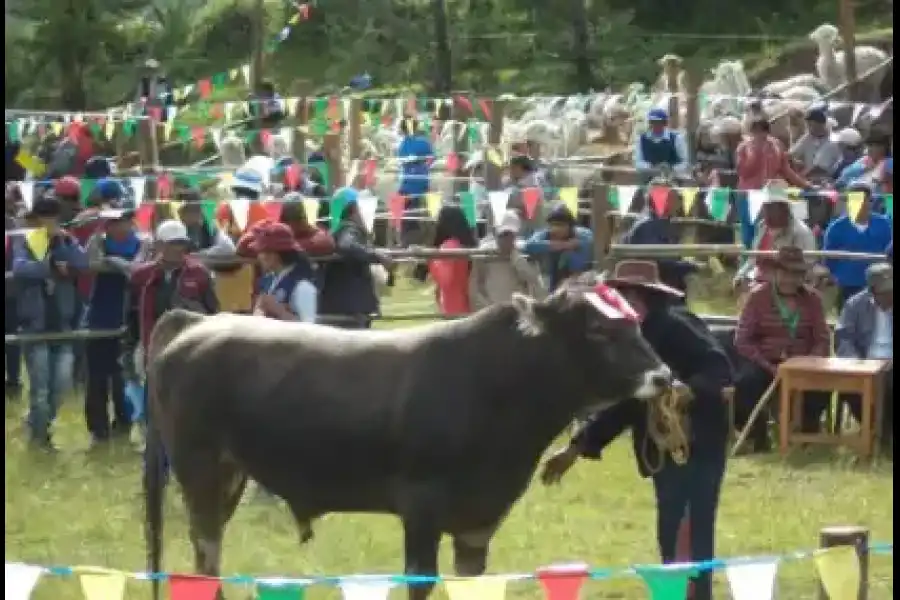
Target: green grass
[[81, 508]]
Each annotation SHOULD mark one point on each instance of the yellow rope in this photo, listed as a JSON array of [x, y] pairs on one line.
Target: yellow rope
[[667, 427]]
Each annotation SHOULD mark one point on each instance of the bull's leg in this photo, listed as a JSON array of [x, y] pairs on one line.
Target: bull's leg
[[470, 552], [304, 521], [421, 540]]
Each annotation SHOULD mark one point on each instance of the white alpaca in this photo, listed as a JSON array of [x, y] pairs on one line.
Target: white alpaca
[[777, 88], [232, 151], [830, 63], [802, 93], [662, 83]]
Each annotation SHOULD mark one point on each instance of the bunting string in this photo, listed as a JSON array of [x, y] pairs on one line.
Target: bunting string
[[748, 578]]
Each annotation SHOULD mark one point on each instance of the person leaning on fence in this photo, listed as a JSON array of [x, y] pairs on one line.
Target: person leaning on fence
[[44, 267], [815, 153], [660, 148], [865, 330], [287, 289], [207, 238], [348, 281], [563, 249], [495, 281], [658, 228], [864, 232], [688, 481], [781, 319], [522, 176], [112, 253]]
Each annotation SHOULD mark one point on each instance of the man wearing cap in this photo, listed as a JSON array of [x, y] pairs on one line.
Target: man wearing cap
[[865, 330], [761, 158], [875, 168], [112, 253], [850, 143], [864, 232], [688, 484], [68, 191], [563, 249], [815, 152], [492, 282], [660, 147], [44, 266], [781, 319]]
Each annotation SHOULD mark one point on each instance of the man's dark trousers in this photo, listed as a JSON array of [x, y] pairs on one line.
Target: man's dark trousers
[[105, 381]]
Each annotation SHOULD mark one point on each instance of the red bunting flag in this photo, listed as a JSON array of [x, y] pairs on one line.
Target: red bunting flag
[[369, 169], [396, 206], [199, 136], [659, 200], [205, 88], [452, 162], [163, 186], [530, 197], [273, 210], [292, 177], [143, 217], [303, 10], [224, 216], [465, 103], [193, 587], [562, 582], [265, 137], [257, 212], [216, 111], [333, 108], [485, 105], [155, 112], [386, 120]]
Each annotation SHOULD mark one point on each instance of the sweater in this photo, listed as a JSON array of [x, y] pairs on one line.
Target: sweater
[[844, 234]]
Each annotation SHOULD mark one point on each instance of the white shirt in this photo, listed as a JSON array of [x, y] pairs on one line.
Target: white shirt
[[304, 298], [883, 338]]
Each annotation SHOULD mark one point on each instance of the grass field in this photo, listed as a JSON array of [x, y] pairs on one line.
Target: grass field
[[81, 508]]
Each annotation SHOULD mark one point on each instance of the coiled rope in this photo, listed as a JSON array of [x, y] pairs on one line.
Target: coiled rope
[[667, 429]]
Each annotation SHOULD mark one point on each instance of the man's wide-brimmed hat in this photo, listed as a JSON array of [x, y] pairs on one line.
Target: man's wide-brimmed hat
[[643, 274], [790, 258], [274, 237]]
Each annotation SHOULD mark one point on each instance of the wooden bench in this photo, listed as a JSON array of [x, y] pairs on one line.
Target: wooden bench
[[808, 373]]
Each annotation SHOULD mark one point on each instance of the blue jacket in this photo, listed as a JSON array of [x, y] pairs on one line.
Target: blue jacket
[[110, 292], [414, 152], [654, 230], [557, 266], [843, 234], [37, 284]]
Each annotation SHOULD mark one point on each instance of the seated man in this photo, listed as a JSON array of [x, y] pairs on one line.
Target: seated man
[[781, 319], [866, 330]]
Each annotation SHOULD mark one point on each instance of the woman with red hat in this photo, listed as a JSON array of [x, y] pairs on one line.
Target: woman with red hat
[[287, 290]]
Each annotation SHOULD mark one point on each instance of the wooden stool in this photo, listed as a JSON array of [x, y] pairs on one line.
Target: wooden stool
[[809, 373]]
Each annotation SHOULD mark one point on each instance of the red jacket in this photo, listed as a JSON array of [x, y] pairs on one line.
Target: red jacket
[[194, 283]]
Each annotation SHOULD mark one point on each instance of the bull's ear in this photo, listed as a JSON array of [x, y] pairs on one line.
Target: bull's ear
[[529, 322]]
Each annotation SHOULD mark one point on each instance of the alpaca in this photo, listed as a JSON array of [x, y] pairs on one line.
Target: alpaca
[[805, 80], [830, 63]]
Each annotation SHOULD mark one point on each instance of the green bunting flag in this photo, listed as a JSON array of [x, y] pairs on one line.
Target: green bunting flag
[[717, 201], [613, 196], [666, 582], [467, 204], [338, 203], [889, 205], [279, 591]]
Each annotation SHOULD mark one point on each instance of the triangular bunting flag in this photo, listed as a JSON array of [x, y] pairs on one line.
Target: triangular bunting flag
[[530, 198], [192, 587], [20, 580], [336, 210], [272, 210], [476, 588], [659, 200], [754, 581], [717, 203], [839, 571], [27, 189], [311, 208], [279, 591], [666, 582], [100, 585], [855, 201], [138, 185], [143, 217], [371, 590], [498, 200], [800, 209], [562, 582], [240, 208], [755, 201], [569, 197], [433, 203], [467, 204], [625, 196], [368, 207], [889, 205], [396, 207], [38, 242], [688, 197]]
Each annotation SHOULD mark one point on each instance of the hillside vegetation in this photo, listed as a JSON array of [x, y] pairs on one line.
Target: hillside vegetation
[[91, 57]]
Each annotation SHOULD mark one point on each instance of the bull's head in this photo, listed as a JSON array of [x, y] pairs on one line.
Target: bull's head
[[599, 333]]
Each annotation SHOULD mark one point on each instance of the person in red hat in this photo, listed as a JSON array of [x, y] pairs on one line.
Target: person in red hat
[[286, 290], [68, 191]]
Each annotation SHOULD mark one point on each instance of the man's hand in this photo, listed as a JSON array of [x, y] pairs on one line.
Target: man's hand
[[558, 465], [266, 302]]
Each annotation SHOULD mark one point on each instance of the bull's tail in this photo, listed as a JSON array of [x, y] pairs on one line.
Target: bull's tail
[[155, 464]]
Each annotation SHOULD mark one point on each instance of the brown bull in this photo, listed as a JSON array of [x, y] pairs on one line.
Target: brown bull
[[442, 425]]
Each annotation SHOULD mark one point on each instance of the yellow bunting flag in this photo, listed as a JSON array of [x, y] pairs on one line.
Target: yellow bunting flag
[[839, 570], [311, 208], [569, 197], [793, 193], [476, 588], [494, 157], [688, 196], [38, 242], [103, 585], [855, 201], [30, 163], [176, 209], [433, 203], [110, 129], [56, 128]]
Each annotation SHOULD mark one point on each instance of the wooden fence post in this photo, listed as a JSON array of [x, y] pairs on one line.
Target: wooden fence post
[[601, 224], [332, 150], [298, 143], [354, 130], [858, 537], [494, 173], [149, 152]]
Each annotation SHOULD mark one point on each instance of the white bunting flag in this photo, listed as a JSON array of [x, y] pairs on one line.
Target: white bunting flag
[[368, 206], [755, 201], [245, 69], [359, 589], [20, 580], [754, 581], [499, 201], [27, 189], [626, 197], [138, 184], [240, 208]]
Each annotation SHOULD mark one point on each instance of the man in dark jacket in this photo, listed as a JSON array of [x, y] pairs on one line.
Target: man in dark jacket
[[690, 485], [348, 288]]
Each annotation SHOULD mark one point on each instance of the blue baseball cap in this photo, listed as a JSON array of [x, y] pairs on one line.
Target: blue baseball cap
[[657, 115], [109, 189]]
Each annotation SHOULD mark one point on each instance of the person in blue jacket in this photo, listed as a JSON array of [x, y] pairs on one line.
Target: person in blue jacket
[[415, 155], [44, 267], [563, 248], [660, 147], [866, 232]]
